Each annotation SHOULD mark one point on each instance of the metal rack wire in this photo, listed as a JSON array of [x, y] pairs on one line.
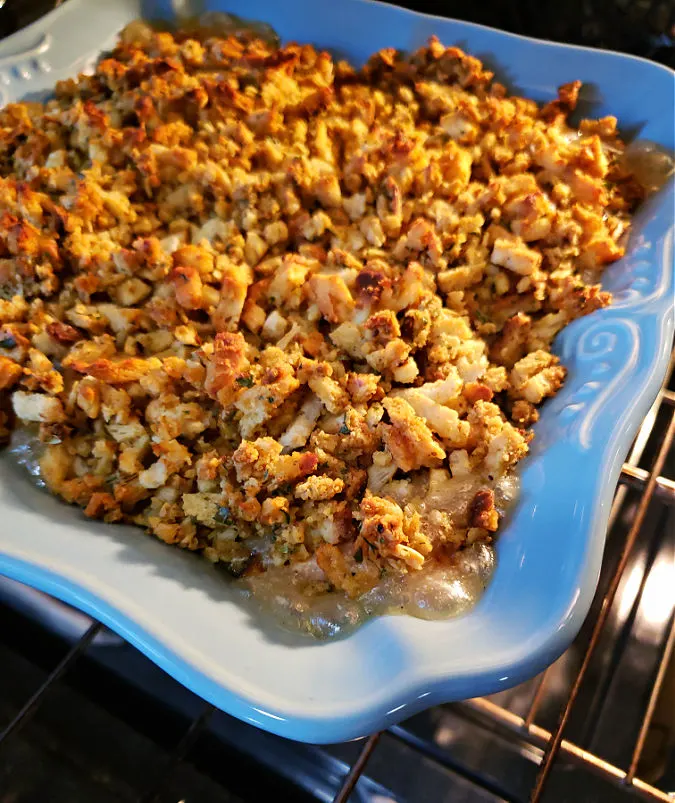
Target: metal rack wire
[[547, 747]]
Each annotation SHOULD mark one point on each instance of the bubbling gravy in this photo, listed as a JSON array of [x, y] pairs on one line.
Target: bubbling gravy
[[287, 595], [437, 591]]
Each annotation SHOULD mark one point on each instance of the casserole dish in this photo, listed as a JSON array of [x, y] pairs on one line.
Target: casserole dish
[[186, 618]]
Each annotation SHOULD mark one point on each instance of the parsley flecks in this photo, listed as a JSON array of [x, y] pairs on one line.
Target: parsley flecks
[[344, 430], [482, 317], [245, 381], [223, 515]]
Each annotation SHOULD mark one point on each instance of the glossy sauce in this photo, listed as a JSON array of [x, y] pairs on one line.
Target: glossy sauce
[[288, 594], [435, 592], [651, 164], [26, 451]]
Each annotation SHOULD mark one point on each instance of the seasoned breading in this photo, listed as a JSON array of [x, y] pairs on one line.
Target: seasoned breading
[[263, 304]]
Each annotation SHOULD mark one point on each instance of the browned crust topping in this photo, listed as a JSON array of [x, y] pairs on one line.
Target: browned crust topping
[[482, 512], [252, 296]]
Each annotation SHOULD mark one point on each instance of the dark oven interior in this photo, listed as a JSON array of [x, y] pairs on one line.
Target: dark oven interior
[[86, 717]]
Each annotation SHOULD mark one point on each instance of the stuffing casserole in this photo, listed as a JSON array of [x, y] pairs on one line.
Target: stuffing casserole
[[289, 313]]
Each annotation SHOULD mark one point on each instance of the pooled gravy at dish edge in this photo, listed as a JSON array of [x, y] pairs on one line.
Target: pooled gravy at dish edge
[[438, 591]]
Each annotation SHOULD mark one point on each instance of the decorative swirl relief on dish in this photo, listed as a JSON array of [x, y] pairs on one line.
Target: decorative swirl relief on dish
[[24, 66], [606, 354], [647, 265], [33, 63]]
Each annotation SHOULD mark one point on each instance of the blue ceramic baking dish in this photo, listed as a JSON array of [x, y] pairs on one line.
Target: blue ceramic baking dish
[[179, 612]]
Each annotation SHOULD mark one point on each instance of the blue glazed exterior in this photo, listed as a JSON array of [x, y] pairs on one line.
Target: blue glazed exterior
[[549, 555]]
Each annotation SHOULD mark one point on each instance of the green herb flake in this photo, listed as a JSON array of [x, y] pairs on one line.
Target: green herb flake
[[287, 516], [482, 317], [344, 430], [245, 381]]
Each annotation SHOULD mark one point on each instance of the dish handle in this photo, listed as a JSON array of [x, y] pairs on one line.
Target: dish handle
[[59, 45]]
